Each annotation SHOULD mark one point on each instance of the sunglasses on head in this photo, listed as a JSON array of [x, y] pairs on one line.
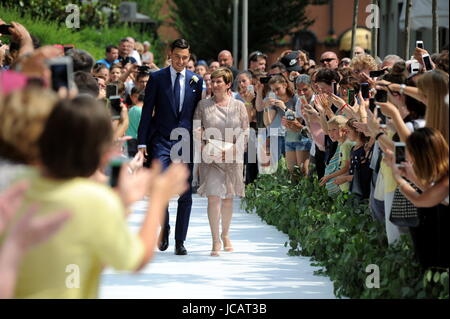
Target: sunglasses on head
[[255, 55], [327, 60]]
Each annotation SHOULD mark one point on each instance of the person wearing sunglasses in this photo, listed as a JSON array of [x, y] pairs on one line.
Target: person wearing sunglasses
[[329, 60]]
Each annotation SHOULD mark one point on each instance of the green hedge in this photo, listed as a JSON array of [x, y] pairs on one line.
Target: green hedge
[[342, 238], [86, 38]]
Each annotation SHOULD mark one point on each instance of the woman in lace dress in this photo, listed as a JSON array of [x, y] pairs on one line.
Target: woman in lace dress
[[221, 118]]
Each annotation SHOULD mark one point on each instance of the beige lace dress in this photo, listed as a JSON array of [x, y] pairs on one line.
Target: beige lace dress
[[226, 123]]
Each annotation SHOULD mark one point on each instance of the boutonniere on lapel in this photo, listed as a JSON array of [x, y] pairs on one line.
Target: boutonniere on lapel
[[194, 79]]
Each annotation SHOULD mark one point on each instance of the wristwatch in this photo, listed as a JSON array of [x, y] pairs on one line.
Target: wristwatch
[[402, 88]]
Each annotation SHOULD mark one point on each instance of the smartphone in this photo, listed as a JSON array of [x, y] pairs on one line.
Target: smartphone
[[415, 67], [303, 100], [4, 29], [116, 109], [334, 86], [272, 95], [400, 153], [111, 90], [419, 44], [427, 62], [62, 72], [365, 90], [381, 96], [381, 116], [375, 74], [251, 89], [264, 79], [351, 97], [372, 104], [113, 170]]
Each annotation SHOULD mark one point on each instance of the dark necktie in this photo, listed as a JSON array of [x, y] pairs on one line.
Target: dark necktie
[[176, 92]]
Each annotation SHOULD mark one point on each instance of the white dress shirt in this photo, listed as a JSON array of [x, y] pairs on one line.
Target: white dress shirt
[[173, 75]]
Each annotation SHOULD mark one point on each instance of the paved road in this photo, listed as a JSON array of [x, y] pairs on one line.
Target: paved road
[[258, 268]]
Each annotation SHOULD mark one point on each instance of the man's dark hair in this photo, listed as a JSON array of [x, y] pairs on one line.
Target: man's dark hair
[[140, 92], [141, 75], [110, 47], [279, 65], [82, 60], [327, 76], [70, 144], [180, 44], [86, 83]]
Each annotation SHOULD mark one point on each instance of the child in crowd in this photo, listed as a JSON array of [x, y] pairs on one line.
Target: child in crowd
[[340, 162], [360, 154], [134, 117]]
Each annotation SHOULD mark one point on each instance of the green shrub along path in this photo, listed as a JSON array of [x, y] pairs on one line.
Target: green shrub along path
[[342, 237]]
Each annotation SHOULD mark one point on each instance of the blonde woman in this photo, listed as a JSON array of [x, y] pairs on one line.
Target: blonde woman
[[222, 176]]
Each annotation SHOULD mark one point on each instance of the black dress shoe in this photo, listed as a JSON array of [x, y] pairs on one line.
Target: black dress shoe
[[164, 243], [179, 248]]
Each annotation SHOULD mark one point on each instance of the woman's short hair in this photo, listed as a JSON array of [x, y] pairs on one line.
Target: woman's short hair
[[364, 62], [77, 134], [303, 79], [225, 73], [23, 115]]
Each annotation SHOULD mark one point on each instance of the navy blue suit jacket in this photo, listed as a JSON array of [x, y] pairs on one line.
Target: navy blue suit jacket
[[159, 98]]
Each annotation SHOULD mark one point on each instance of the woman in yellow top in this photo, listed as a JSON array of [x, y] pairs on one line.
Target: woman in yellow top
[[70, 263]]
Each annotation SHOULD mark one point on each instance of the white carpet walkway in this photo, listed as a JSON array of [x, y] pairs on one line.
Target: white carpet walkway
[[258, 268]]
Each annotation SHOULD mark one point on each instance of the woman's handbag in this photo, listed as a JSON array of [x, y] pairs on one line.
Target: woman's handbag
[[403, 212]]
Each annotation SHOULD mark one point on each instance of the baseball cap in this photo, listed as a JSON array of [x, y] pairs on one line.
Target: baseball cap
[[290, 61]]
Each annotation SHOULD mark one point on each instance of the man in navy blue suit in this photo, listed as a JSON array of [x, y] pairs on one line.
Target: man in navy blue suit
[[171, 96]]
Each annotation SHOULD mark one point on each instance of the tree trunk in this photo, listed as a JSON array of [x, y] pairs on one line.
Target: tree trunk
[[355, 24], [435, 27], [407, 28]]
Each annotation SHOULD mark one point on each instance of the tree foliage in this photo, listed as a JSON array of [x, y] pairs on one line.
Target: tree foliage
[[208, 24]]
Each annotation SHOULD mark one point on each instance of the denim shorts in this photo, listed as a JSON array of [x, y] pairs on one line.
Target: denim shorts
[[304, 144]]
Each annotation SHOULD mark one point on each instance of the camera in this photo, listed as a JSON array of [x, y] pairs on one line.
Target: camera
[[419, 44], [400, 153], [144, 69], [375, 74]]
